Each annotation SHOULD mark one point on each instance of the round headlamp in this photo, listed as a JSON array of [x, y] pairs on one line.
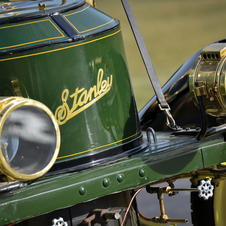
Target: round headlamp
[[30, 138], [208, 79]]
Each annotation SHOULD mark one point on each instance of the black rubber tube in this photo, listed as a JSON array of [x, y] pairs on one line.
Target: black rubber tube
[[204, 120]]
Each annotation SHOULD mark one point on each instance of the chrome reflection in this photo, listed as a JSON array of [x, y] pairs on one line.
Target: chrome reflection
[[30, 138], [32, 124]]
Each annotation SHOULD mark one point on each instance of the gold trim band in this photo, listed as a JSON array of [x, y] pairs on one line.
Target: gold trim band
[[106, 145], [56, 50], [28, 43]]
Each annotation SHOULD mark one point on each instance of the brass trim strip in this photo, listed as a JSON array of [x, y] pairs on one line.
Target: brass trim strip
[[106, 145], [27, 43], [56, 50]]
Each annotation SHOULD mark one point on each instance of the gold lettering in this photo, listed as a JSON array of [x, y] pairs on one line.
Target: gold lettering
[[91, 90], [99, 80], [62, 111], [82, 99], [104, 86], [75, 96]]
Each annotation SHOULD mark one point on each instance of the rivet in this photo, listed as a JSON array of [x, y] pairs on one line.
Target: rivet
[[82, 191], [42, 7], [120, 178], [211, 98], [141, 173], [106, 182]]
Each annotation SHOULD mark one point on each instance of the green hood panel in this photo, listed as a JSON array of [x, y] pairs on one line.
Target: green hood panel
[[16, 10], [28, 34], [85, 82]]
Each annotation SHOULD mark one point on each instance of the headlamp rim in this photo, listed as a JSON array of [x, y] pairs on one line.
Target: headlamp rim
[[9, 105]]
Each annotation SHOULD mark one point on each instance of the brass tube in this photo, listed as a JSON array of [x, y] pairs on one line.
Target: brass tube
[[178, 221], [171, 220], [161, 204]]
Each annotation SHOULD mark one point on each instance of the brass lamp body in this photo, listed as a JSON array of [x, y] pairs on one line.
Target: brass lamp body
[[208, 79]]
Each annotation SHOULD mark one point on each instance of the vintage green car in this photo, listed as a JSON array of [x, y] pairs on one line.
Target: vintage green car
[[74, 149]]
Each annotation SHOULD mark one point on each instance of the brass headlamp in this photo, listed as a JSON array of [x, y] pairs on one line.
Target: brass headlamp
[[30, 138], [208, 79]]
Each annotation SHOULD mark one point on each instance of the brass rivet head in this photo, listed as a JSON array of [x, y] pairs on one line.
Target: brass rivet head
[[120, 178], [141, 173], [42, 6], [211, 98], [106, 182], [82, 191]]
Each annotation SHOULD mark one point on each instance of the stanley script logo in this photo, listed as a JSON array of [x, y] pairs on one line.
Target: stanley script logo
[[82, 98]]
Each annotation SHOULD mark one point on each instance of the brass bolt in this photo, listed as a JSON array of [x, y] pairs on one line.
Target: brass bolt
[[211, 98], [42, 6]]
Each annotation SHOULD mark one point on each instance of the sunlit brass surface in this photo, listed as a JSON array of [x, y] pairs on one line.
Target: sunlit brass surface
[[42, 6], [207, 79], [219, 204], [91, 2], [163, 217], [7, 106]]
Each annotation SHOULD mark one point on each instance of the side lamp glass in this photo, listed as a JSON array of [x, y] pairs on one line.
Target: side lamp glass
[[30, 138]]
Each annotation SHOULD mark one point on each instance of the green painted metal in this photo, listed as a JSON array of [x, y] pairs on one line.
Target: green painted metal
[[14, 9], [174, 156], [214, 152], [12, 36], [86, 83], [86, 20]]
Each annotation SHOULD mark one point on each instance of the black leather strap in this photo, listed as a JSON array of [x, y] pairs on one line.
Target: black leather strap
[[145, 56], [163, 105]]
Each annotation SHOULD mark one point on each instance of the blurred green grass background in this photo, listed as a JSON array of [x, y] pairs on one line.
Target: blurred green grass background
[[173, 30]]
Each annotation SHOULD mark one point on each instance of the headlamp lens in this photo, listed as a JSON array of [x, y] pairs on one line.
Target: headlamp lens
[[28, 140]]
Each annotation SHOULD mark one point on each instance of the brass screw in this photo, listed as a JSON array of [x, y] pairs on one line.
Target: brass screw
[[211, 98], [42, 6]]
